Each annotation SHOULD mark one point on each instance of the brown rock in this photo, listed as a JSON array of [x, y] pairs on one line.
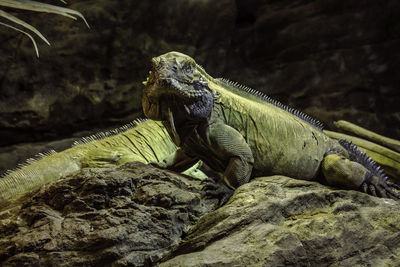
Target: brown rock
[[137, 215], [131, 216], [279, 221]]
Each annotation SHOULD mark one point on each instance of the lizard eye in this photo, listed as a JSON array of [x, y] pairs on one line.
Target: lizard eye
[[187, 69]]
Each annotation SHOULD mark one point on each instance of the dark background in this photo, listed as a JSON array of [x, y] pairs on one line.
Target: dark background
[[332, 59]]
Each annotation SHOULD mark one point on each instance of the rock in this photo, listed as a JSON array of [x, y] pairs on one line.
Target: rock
[[138, 215], [279, 221], [130, 216]]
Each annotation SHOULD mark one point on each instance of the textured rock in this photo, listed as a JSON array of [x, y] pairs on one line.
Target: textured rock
[[131, 216], [279, 221], [141, 216]]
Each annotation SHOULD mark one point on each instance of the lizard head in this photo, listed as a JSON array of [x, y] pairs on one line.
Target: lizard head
[[177, 84], [175, 74]]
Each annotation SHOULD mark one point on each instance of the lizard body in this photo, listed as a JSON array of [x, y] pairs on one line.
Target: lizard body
[[241, 134], [283, 135], [203, 128]]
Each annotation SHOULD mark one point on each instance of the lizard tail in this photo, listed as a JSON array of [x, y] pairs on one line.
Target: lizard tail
[[358, 156]]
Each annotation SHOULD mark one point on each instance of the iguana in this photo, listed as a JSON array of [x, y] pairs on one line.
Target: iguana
[[142, 140], [146, 141], [241, 133]]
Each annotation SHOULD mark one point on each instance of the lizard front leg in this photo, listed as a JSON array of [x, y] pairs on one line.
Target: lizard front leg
[[232, 149], [233, 158]]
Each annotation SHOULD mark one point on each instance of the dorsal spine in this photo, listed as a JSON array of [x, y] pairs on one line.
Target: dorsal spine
[[358, 156], [101, 135], [274, 102], [82, 140]]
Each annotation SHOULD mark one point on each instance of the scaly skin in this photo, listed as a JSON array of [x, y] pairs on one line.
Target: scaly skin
[[241, 135], [146, 142], [149, 142]]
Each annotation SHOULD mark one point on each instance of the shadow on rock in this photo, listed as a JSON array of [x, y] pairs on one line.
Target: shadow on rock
[[130, 216], [138, 215]]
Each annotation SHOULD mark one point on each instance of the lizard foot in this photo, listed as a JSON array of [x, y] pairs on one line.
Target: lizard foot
[[221, 191], [379, 188]]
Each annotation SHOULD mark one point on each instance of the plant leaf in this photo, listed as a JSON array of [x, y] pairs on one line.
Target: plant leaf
[[23, 23], [42, 7], [30, 36]]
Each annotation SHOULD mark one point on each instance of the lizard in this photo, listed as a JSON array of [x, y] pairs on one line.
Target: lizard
[[141, 140], [145, 141], [240, 133]]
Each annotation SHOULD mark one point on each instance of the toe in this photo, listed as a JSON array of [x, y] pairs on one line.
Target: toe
[[372, 190]]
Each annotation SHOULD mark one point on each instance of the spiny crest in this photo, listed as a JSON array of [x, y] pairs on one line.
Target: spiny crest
[[263, 96], [101, 135], [27, 162], [83, 140], [358, 156]]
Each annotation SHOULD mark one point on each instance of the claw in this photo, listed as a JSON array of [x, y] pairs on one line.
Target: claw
[[394, 185], [211, 189], [389, 186], [382, 192], [378, 187], [365, 188], [392, 194], [372, 190]]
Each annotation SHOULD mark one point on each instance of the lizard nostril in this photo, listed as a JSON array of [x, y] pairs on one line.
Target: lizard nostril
[[157, 63]]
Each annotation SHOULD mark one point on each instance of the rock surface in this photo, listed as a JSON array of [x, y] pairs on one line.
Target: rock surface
[[141, 216], [131, 216], [279, 221]]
